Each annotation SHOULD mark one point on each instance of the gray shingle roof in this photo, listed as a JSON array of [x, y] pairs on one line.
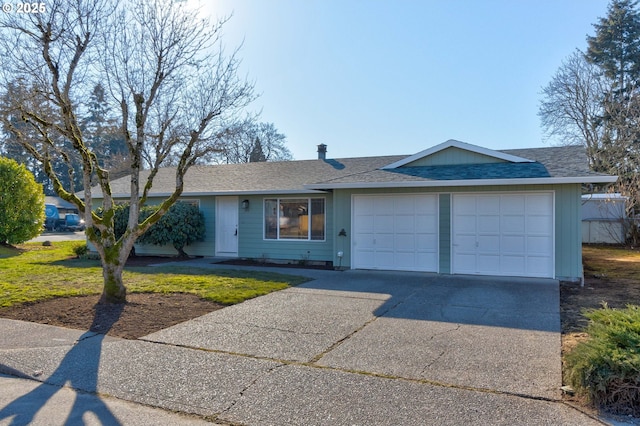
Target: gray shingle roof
[[307, 175], [284, 176], [477, 171]]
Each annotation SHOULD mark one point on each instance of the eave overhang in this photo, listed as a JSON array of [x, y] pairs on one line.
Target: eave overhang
[[465, 182]]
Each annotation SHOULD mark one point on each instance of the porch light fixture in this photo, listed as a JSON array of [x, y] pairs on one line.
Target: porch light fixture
[[245, 204]]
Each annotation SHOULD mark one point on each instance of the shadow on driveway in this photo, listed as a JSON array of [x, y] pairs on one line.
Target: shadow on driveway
[[78, 369], [512, 302]]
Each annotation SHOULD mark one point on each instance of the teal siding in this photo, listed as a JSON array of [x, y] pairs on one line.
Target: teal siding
[[568, 243], [251, 243], [444, 236], [338, 215], [568, 232], [452, 156], [342, 220]]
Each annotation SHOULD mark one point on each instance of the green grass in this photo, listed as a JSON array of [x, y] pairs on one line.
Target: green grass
[[611, 262], [34, 272]]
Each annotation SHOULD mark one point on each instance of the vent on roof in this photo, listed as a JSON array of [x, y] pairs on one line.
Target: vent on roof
[[322, 152]]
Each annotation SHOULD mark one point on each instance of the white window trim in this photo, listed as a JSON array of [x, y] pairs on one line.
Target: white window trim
[[299, 240]]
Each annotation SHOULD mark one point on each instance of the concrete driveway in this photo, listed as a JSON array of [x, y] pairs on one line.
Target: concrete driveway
[[496, 334], [350, 348]]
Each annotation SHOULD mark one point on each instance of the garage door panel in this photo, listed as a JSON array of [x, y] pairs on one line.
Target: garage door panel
[[513, 224], [404, 224], [384, 221], [427, 242], [364, 256], [539, 204], [383, 206], [511, 244], [540, 225], [403, 204], [466, 224], [514, 205], [403, 232], [426, 261], [404, 243], [488, 224], [513, 265], [487, 205], [488, 263], [516, 227], [405, 260], [537, 266], [488, 243], [384, 242], [537, 245], [424, 205], [426, 223]]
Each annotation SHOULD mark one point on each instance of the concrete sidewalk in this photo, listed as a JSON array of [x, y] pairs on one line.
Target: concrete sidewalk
[[353, 348]]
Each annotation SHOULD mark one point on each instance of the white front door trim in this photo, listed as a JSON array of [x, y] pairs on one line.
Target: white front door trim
[[226, 226]]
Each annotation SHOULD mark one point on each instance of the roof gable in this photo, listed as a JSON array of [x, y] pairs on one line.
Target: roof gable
[[501, 170], [452, 153]]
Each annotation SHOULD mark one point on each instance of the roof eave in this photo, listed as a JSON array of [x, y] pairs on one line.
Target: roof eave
[[468, 182], [222, 193]]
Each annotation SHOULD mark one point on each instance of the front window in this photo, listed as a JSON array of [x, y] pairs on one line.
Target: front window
[[294, 219]]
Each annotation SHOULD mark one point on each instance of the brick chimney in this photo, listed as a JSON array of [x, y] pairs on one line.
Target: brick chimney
[[322, 152]]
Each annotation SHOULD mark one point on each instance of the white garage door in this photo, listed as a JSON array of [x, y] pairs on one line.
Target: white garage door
[[395, 232], [503, 234]]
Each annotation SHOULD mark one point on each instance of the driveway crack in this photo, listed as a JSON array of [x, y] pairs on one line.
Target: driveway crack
[[333, 346], [249, 386], [444, 351]]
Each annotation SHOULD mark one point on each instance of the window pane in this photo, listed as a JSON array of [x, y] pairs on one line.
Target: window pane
[[317, 219], [271, 219], [294, 219]]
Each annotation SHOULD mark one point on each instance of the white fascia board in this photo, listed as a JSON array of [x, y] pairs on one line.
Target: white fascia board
[[470, 182], [223, 193], [451, 143]]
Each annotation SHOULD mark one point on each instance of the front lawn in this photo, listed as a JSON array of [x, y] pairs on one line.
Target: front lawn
[[34, 273]]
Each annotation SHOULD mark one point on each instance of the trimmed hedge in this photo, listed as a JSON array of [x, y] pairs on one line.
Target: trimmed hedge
[[606, 368]]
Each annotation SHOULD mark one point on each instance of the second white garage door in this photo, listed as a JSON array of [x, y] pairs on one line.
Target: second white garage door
[[503, 234], [395, 232]]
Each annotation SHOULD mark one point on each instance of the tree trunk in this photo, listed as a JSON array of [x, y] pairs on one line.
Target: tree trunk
[[114, 290]]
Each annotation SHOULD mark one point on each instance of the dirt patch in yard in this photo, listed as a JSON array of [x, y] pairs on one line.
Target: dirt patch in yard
[[144, 313]]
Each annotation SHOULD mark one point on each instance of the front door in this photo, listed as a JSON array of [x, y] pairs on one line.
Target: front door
[[227, 226]]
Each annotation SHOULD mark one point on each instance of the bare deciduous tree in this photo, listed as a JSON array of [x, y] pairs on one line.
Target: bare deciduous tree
[[241, 142], [571, 108], [581, 105], [163, 66]]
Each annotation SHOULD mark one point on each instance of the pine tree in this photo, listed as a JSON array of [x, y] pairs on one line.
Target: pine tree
[[615, 48], [257, 155]]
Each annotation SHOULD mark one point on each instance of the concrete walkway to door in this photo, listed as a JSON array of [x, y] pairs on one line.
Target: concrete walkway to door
[[348, 348]]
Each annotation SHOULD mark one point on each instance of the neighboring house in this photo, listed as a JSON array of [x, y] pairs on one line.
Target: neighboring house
[[604, 218], [455, 208], [63, 206]]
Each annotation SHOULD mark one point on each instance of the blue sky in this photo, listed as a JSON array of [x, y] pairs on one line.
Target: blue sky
[[396, 77]]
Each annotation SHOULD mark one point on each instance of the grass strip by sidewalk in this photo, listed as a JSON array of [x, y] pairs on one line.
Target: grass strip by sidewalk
[[35, 272]]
